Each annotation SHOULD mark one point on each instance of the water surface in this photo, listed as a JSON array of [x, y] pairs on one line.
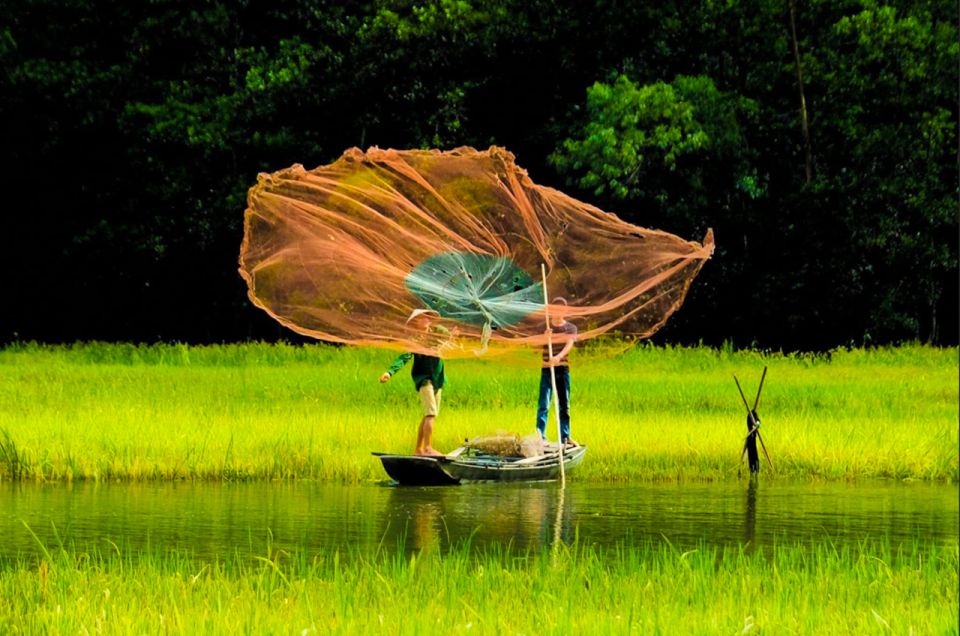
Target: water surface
[[218, 519]]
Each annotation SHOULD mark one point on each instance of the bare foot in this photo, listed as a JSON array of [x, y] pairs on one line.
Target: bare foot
[[429, 452]]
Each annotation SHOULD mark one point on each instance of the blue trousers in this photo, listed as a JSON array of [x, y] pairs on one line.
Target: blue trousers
[[563, 393]]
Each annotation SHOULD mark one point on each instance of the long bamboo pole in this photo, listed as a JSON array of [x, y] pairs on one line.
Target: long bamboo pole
[[553, 373]]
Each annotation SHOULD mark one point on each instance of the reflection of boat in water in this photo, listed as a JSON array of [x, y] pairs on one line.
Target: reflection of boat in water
[[473, 465], [479, 515]]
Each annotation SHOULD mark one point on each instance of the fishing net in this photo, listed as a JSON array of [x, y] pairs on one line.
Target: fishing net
[[345, 252], [504, 444]]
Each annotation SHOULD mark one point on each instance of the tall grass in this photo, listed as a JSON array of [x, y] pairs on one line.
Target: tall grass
[[261, 411], [869, 588]]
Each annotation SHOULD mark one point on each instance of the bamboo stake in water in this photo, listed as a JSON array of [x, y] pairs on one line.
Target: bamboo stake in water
[[756, 424], [553, 374], [756, 403]]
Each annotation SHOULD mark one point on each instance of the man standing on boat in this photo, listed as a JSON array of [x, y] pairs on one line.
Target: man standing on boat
[[428, 376], [564, 334]]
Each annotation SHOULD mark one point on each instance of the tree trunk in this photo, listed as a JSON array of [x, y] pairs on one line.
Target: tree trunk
[[804, 124]]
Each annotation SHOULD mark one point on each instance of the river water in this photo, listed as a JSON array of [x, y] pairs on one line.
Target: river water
[[219, 519]]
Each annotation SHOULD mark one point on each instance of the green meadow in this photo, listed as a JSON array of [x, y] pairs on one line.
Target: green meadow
[[790, 589], [276, 411]]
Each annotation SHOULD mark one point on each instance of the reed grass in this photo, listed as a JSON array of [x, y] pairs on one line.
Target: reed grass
[[655, 589], [277, 411]]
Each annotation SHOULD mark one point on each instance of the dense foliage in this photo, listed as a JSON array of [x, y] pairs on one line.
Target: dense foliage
[[132, 131]]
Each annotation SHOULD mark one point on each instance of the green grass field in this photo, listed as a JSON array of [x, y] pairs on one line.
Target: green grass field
[[868, 589], [258, 411]]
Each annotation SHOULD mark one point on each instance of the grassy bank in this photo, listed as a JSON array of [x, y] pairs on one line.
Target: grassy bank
[[102, 411], [654, 590]]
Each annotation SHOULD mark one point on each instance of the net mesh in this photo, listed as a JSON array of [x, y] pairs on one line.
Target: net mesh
[[345, 252]]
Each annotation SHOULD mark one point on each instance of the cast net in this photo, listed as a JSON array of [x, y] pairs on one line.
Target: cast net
[[345, 252]]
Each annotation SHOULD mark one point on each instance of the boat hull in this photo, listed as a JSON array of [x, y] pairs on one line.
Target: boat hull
[[409, 470]]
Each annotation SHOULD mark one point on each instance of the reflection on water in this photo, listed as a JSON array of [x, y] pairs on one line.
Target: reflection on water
[[750, 511], [224, 519], [520, 515]]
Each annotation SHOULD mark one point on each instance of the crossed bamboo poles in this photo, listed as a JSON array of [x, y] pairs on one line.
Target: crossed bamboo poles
[[753, 420]]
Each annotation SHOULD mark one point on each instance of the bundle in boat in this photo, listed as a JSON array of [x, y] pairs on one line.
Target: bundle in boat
[[507, 445]]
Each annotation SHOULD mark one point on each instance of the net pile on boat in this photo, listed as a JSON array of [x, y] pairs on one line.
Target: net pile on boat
[[507, 445]]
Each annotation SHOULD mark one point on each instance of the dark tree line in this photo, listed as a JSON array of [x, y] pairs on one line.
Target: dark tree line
[[131, 132]]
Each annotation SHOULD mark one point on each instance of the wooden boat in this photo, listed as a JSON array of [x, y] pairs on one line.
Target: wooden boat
[[468, 465]]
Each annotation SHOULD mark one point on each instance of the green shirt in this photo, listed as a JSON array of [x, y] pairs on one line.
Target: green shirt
[[425, 368]]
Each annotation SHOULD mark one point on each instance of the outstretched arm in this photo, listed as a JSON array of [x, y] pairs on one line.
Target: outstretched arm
[[395, 366]]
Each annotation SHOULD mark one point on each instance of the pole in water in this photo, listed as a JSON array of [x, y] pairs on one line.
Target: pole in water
[[750, 445], [754, 458], [553, 374], [753, 426]]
